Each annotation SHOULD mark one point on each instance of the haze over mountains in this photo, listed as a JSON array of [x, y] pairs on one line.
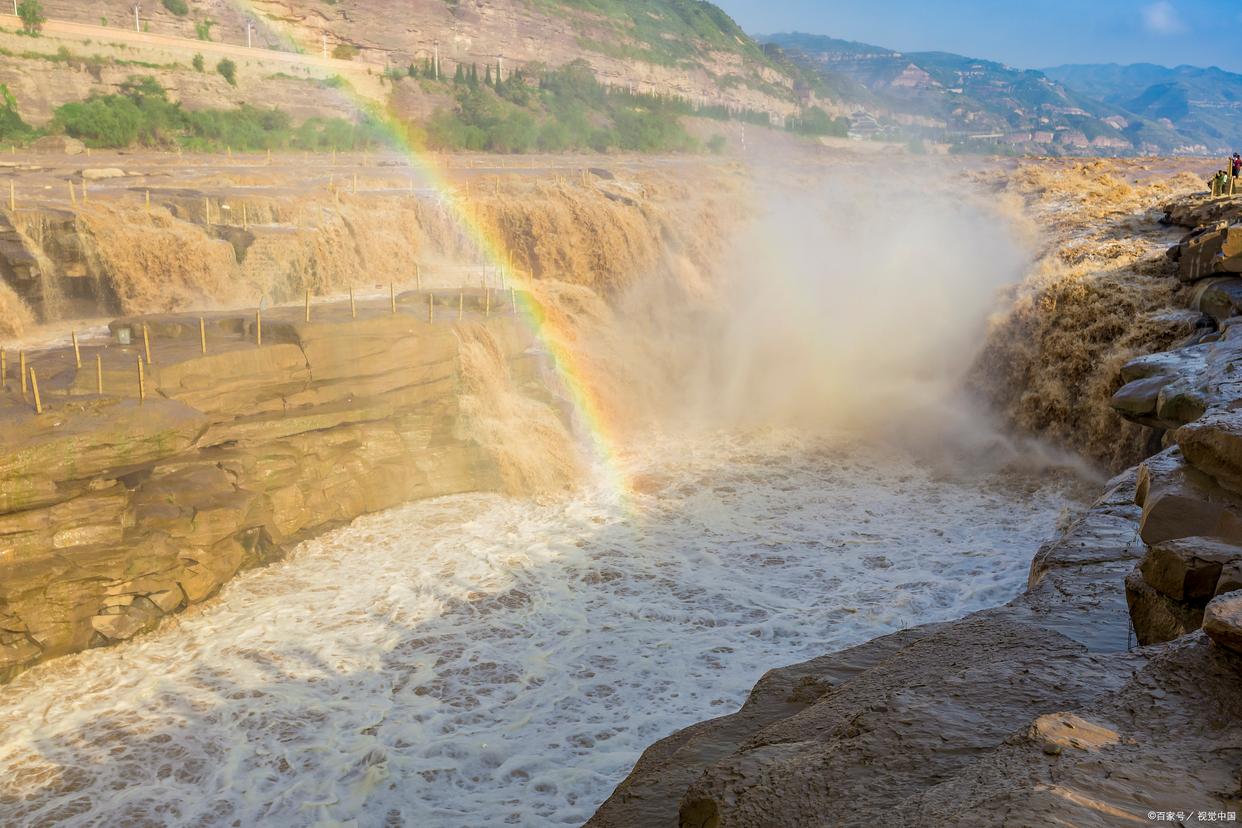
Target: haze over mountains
[[975, 103]]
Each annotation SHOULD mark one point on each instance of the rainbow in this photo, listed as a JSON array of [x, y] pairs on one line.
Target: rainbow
[[553, 336]]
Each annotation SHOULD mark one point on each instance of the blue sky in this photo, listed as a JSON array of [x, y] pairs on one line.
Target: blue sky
[[1022, 33]]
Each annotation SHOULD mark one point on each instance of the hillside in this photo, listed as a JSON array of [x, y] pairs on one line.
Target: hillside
[[975, 103], [683, 47], [1203, 104]]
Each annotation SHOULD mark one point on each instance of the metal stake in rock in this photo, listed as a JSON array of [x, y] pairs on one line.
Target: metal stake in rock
[[99, 374], [142, 383], [202, 334], [77, 354], [146, 342]]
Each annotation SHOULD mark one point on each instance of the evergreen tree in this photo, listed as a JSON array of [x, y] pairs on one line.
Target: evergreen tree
[[412, 71], [459, 77], [428, 71], [487, 79], [474, 76]]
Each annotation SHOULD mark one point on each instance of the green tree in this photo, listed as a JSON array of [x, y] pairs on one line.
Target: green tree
[[11, 124], [228, 70], [459, 77], [202, 28], [31, 14], [199, 63], [177, 7]]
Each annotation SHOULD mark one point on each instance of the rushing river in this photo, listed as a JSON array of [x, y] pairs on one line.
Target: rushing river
[[478, 660]]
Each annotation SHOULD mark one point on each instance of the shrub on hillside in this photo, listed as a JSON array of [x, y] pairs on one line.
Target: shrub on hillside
[[228, 70], [177, 7], [12, 127]]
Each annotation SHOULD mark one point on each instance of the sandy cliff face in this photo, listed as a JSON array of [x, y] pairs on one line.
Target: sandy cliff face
[[115, 513]]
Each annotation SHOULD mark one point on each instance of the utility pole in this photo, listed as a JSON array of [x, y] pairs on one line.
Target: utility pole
[[325, 44], [500, 67], [137, 22], [249, 29], [435, 64]]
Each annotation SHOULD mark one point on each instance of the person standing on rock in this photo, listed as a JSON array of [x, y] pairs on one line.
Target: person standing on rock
[[1235, 165]]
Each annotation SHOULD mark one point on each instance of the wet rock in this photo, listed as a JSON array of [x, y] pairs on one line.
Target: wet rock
[[1179, 501], [1222, 621], [1201, 209], [1137, 400], [1218, 297], [1157, 617], [1213, 444], [1188, 569]]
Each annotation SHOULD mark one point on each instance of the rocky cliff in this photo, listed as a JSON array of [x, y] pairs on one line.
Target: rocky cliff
[[142, 486]]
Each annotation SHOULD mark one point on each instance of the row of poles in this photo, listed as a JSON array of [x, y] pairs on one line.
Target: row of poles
[[30, 378]]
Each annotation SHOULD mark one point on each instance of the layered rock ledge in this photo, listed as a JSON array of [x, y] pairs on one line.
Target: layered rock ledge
[[116, 512], [1109, 693]]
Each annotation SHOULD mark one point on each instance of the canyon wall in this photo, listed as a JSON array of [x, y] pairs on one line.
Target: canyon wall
[[117, 511]]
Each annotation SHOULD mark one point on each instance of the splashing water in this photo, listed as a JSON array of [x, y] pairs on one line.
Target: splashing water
[[483, 660]]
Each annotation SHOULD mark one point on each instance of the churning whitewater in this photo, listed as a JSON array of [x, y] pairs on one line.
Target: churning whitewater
[[484, 660]]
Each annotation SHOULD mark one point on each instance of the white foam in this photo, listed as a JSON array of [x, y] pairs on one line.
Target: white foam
[[477, 660]]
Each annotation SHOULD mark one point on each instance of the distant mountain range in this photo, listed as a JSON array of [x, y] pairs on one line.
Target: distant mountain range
[[981, 104], [1202, 104]]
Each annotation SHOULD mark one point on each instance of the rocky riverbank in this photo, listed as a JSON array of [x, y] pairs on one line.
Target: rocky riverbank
[[1046, 711], [116, 511]]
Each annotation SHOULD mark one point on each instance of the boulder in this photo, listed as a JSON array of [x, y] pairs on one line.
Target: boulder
[[1137, 400], [1222, 621], [1213, 444], [1200, 209], [1220, 297], [1180, 501], [1188, 569], [59, 143], [101, 173], [1157, 618], [1209, 251]]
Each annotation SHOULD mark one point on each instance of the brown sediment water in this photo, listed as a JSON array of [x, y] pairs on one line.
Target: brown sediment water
[[1097, 296]]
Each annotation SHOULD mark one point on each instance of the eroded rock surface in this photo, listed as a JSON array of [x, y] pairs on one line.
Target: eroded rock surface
[[116, 513]]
